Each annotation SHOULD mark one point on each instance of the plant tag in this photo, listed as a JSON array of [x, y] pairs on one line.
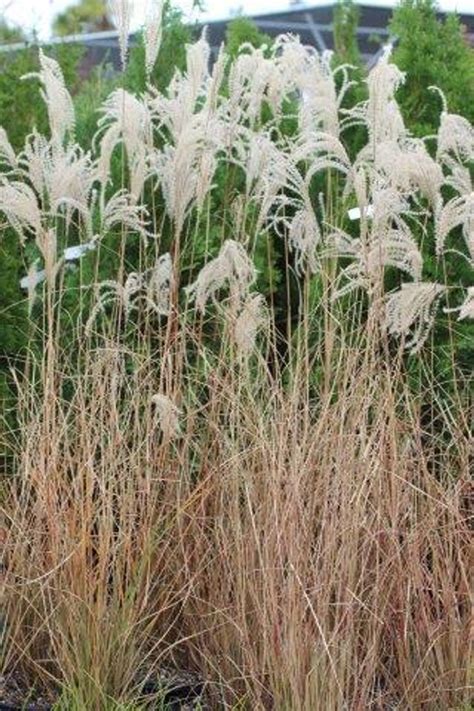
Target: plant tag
[[354, 213]]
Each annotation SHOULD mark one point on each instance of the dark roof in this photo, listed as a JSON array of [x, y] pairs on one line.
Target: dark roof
[[312, 24]]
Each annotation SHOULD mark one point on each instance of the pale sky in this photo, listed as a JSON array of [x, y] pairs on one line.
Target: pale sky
[[37, 14]]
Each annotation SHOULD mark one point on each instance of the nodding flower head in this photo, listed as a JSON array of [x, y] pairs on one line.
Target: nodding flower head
[[121, 11], [167, 415], [232, 268]]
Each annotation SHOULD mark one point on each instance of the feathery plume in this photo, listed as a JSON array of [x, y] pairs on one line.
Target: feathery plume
[[384, 79], [19, 204], [153, 33], [411, 312], [304, 236], [460, 178], [252, 318], [394, 247], [125, 119], [409, 167], [149, 290], [198, 55], [174, 110], [47, 243], [123, 294], [121, 12], [167, 414], [268, 170], [120, 210], [321, 151], [56, 97], [63, 178], [139, 172], [249, 78], [320, 100], [390, 206], [232, 267], [459, 211], [455, 138], [380, 113], [186, 169], [215, 80], [160, 284], [35, 162], [70, 182], [466, 310], [7, 154]]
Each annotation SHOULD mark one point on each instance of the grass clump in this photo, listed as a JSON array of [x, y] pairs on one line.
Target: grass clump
[[269, 491]]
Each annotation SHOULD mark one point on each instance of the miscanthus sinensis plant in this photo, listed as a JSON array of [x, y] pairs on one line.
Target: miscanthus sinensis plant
[[192, 480], [211, 120]]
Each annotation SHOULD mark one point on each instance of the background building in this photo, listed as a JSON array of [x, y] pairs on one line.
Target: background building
[[313, 24]]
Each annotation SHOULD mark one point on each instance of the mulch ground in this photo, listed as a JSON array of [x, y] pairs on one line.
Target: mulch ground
[[176, 691]]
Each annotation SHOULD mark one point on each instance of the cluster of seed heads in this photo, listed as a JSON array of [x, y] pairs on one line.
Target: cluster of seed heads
[[392, 184]]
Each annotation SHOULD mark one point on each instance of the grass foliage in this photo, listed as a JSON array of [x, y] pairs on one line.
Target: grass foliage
[[231, 447]]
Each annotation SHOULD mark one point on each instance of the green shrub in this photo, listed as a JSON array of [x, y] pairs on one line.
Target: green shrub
[[241, 30], [432, 52], [176, 35]]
